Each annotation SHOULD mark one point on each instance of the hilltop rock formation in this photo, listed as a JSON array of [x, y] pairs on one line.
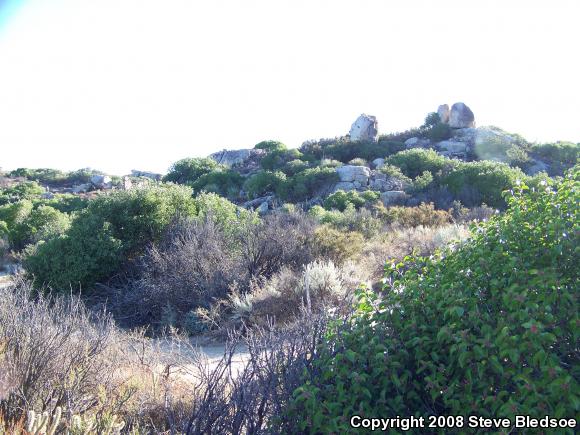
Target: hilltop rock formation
[[365, 128], [461, 116]]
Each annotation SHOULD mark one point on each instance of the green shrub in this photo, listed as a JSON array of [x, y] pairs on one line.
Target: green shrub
[[337, 246], [475, 183], [490, 328], [294, 166], [42, 223], [277, 159], [222, 181], [361, 221], [340, 199], [423, 214], [270, 145], [65, 203], [229, 217], [112, 228], [415, 161], [343, 150], [422, 182], [187, 171], [264, 182], [308, 183], [358, 162], [563, 152], [20, 191]]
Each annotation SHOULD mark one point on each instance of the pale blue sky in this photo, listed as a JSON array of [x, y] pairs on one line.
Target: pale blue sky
[[123, 84]]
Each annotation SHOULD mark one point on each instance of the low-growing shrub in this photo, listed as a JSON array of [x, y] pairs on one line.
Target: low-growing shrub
[[278, 159], [489, 327], [337, 246], [265, 182], [340, 199], [307, 183], [415, 161], [423, 214]]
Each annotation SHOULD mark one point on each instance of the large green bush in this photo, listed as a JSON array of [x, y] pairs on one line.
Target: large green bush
[[112, 228], [270, 145], [562, 152], [222, 181], [264, 182], [187, 171], [19, 191], [489, 328], [277, 159], [308, 183], [415, 161], [41, 223], [474, 183]]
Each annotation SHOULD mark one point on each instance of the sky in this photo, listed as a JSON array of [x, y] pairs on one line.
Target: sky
[[138, 84]]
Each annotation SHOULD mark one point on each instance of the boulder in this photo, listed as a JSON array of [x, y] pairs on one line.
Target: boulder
[[385, 183], [364, 128], [100, 181], [452, 147], [127, 183], [378, 163], [416, 142], [461, 116], [443, 112], [344, 185], [351, 173], [537, 167], [394, 197], [258, 201], [263, 208], [82, 188], [232, 158], [146, 174]]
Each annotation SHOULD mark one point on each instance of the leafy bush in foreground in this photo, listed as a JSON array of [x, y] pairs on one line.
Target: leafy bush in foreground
[[490, 328]]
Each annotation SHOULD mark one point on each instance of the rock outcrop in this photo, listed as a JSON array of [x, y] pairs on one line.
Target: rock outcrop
[[385, 183], [461, 116], [101, 181], [415, 142], [365, 128], [231, 158], [358, 175]]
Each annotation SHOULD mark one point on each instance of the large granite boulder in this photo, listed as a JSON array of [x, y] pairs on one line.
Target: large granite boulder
[[415, 142], [365, 128], [231, 158], [378, 163], [352, 173], [461, 116], [443, 112], [384, 183], [101, 181], [452, 147]]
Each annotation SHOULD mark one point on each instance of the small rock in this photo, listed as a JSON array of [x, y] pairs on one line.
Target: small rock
[[461, 116], [364, 128], [537, 167], [378, 163]]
